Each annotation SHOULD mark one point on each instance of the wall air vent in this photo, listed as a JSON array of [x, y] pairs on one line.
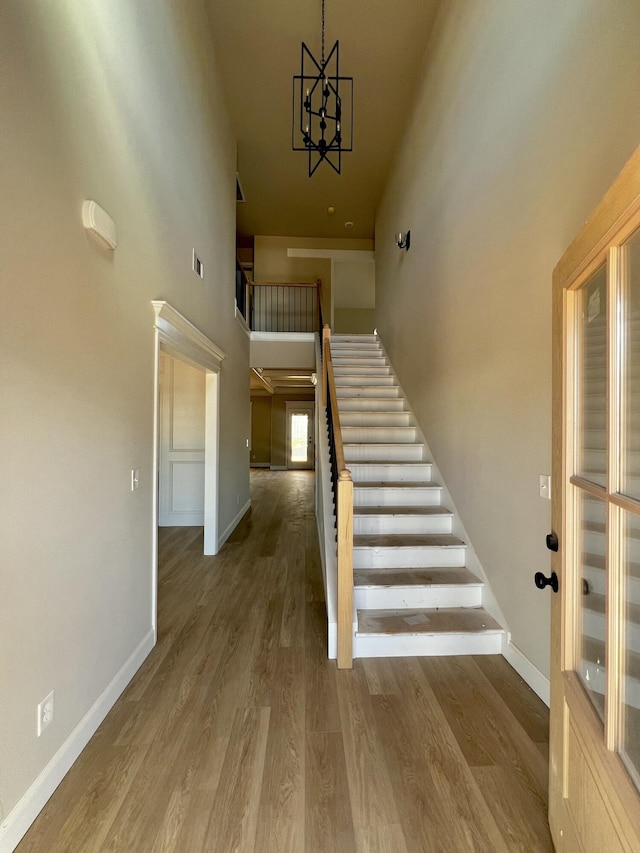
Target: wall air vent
[[197, 266]]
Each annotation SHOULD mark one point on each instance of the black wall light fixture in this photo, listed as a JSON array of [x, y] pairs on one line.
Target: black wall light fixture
[[403, 240], [322, 108]]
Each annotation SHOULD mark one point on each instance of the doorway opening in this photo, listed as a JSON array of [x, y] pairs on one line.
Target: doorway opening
[[200, 360]]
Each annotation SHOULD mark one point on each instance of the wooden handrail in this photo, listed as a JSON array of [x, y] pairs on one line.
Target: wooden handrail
[[337, 432], [326, 355], [344, 512]]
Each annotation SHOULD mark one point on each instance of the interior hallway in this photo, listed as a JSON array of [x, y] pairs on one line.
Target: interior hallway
[[237, 734]]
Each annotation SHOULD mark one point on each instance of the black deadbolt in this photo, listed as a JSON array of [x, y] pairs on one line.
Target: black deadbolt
[[552, 541]]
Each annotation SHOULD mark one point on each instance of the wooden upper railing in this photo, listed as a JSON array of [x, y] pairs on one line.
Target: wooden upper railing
[[343, 500]]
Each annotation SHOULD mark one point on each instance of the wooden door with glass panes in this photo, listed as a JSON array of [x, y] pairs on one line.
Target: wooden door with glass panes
[[594, 802]]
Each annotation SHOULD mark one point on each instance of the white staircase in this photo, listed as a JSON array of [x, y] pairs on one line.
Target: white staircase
[[413, 592]]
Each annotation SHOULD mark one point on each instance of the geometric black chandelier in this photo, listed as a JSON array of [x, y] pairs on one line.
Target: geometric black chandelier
[[322, 108]]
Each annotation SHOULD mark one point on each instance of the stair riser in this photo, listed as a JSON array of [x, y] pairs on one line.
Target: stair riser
[[400, 435], [397, 497], [396, 558], [350, 354], [370, 381], [384, 452], [372, 525], [361, 361], [360, 345], [363, 370], [370, 419], [402, 597], [427, 645], [377, 393], [370, 404], [418, 473]]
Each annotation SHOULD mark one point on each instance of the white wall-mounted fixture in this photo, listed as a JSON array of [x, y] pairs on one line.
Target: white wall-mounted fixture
[[403, 240], [98, 222], [545, 486]]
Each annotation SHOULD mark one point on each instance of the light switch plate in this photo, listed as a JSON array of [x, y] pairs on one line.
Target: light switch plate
[[135, 478], [545, 486]]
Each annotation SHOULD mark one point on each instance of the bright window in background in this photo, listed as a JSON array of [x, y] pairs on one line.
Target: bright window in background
[[299, 437]]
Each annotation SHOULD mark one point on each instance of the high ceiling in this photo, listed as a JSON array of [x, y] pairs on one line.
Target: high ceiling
[[257, 44]]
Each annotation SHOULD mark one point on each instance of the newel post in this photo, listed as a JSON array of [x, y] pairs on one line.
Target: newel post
[[345, 570], [326, 343]]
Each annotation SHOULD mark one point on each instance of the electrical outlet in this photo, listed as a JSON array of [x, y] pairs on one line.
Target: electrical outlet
[[45, 712]]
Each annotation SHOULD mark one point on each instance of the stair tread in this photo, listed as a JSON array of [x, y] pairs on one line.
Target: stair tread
[[406, 540], [426, 621], [401, 510], [414, 577]]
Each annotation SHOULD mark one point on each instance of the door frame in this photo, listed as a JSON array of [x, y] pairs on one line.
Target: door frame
[[606, 788], [178, 337], [292, 406]]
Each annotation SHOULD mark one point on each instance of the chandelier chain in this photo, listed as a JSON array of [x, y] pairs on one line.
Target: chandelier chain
[[323, 33]]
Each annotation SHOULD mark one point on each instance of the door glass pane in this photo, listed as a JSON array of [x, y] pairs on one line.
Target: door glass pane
[[299, 442], [630, 385], [630, 657], [591, 593], [592, 379]]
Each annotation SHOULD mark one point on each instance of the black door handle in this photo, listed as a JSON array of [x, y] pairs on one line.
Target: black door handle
[[541, 581], [552, 541]]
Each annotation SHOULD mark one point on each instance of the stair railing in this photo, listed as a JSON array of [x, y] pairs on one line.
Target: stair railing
[[283, 306], [343, 502]]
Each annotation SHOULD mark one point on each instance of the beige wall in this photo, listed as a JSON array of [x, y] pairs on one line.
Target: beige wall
[[271, 262], [116, 102], [526, 113], [260, 430], [354, 321]]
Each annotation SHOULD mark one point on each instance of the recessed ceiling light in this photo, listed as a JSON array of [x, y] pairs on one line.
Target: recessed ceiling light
[[348, 224]]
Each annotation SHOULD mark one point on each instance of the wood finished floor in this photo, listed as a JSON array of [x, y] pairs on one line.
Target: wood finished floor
[[237, 734]]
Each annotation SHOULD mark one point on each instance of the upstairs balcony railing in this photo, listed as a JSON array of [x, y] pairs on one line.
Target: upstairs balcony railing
[[283, 307], [278, 306]]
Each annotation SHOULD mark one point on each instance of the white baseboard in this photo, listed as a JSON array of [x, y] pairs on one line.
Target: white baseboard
[[538, 682], [232, 526], [20, 818], [332, 643]]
